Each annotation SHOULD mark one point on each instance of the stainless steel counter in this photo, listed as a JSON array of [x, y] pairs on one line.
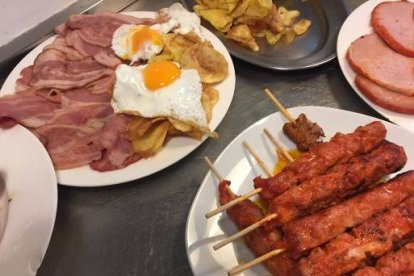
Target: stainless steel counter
[[138, 228]]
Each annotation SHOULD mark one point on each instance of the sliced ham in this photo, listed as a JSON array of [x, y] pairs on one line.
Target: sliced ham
[[394, 23], [53, 70], [384, 97], [97, 29], [371, 57]]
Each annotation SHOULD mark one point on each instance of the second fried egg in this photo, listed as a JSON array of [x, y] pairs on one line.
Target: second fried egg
[[159, 89]]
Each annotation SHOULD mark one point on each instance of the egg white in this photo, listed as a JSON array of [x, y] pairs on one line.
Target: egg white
[[180, 100]]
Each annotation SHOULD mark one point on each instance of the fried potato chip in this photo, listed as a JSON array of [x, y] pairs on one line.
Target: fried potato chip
[[256, 25], [259, 8], [219, 18], [178, 43], [288, 36], [209, 98], [153, 139], [241, 33], [301, 26], [272, 38], [288, 17], [274, 21], [209, 63], [227, 5], [240, 9], [161, 57], [140, 125], [181, 128]]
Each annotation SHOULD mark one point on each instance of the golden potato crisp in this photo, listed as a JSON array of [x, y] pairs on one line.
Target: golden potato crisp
[[242, 34], [255, 24], [217, 17], [209, 98], [177, 43], [227, 5], [245, 20], [302, 26], [258, 8], [209, 63], [153, 139]]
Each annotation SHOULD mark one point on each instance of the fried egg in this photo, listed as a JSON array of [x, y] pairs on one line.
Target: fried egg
[[141, 42], [159, 89], [135, 42]]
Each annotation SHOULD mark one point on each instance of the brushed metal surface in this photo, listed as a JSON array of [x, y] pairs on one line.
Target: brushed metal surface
[[317, 46]]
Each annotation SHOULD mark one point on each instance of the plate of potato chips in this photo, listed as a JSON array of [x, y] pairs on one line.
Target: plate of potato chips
[[280, 35]]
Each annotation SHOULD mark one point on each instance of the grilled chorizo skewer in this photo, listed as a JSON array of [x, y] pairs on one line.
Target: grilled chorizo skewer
[[340, 181], [311, 231], [373, 238], [321, 157], [400, 262]]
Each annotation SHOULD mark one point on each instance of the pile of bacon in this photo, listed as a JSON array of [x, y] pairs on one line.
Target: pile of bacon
[[384, 60], [334, 216], [64, 97]]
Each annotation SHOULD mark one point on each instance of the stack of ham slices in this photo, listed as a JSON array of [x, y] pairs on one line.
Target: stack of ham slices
[[384, 60], [64, 97]]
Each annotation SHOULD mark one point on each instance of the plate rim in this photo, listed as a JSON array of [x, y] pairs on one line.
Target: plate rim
[[64, 176]]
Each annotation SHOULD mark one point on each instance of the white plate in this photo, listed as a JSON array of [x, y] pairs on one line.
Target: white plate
[[356, 25], [175, 150], [236, 165], [32, 188]]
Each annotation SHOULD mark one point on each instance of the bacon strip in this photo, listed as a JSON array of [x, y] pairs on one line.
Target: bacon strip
[[53, 70], [27, 108]]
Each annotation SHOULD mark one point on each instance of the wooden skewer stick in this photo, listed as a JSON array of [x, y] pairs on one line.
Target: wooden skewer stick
[[240, 268], [244, 231], [233, 202], [213, 169], [277, 144], [257, 158], [280, 106]]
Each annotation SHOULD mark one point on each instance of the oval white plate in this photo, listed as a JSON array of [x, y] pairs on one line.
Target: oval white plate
[[32, 188], [237, 166], [175, 150], [356, 25]]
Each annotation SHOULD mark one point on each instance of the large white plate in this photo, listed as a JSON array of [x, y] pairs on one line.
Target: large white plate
[[356, 25], [175, 150], [236, 165], [32, 188]]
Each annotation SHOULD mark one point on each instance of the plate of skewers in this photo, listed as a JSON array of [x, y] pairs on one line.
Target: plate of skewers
[[342, 204]]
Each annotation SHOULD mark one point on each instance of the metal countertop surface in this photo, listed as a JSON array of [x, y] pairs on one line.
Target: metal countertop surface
[[138, 228]]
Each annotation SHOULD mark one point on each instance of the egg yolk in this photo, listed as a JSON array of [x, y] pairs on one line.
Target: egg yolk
[[160, 74], [138, 37]]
